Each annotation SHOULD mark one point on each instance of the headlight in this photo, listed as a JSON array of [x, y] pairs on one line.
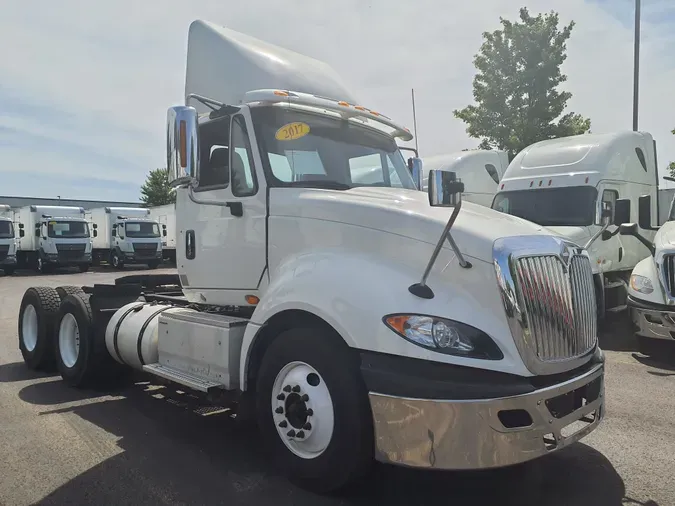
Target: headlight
[[444, 336], [641, 284]]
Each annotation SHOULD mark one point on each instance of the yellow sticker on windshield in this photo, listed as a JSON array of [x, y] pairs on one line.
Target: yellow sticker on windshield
[[52, 223], [292, 131]]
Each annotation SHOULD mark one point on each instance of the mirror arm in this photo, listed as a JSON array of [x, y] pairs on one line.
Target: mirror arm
[[421, 289], [648, 244], [236, 208], [597, 234]]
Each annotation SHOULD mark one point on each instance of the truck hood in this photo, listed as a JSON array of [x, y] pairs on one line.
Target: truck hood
[[665, 237], [403, 212], [578, 235]]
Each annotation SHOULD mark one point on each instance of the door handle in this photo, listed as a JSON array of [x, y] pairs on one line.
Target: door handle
[[190, 249]]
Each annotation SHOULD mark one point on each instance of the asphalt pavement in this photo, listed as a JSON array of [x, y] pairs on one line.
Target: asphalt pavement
[[150, 445]]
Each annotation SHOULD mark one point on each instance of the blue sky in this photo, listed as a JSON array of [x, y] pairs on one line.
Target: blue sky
[[85, 86]]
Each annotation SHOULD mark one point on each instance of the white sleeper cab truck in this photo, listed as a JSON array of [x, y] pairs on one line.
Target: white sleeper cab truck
[[355, 322], [479, 169], [166, 217], [52, 237], [8, 241], [563, 184], [651, 291], [125, 235]]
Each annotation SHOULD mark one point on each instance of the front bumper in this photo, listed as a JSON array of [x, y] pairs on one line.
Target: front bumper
[[134, 256], [651, 320], [67, 260], [487, 433]]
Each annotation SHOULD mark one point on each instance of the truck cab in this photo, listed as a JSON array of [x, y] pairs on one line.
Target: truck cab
[[350, 320], [479, 169], [53, 236], [126, 236], [8, 240], [166, 217], [562, 184]]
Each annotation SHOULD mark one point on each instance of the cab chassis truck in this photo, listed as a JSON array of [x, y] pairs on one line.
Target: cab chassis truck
[[318, 316]]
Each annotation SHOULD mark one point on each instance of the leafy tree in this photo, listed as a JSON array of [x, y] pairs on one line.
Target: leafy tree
[[515, 89], [156, 190]]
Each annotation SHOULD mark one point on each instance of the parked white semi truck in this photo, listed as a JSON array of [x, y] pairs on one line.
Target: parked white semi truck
[[562, 185], [353, 322], [479, 169], [126, 235], [8, 240], [166, 217], [52, 237]]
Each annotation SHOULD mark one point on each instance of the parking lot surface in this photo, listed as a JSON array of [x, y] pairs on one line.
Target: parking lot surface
[[148, 445]]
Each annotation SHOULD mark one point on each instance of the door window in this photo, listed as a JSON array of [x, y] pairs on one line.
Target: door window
[[214, 155]]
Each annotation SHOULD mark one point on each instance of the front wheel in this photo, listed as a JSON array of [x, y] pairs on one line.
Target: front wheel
[[84, 267], [9, 271], [313, 410], [116, 261], [153, 265]]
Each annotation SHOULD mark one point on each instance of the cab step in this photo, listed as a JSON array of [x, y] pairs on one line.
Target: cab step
[[183, 378], [614, 284]]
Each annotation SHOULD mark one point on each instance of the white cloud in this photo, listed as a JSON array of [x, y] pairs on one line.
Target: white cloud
[[105, 72]]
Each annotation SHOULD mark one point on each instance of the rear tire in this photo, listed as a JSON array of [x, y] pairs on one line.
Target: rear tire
[[9, 271], [63, 291], [37, 314], [153, 265], [337, 445], [83, 268]]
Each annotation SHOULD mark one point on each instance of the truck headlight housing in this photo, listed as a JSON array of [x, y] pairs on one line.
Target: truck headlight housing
[[444, 336], [641, 284]]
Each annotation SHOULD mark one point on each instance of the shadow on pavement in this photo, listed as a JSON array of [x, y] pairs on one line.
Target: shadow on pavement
[[18, 371], [174, 452], [616, 333]]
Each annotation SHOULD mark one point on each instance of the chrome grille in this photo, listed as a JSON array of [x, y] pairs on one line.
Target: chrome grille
[[668, 269], [558, 306]]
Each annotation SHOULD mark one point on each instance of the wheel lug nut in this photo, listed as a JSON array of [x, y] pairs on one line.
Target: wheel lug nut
[[287, 388], [281, 397], [291, 433], [279, 410], [305, 398], [300, 434], [307, 426], [310, 412], [296, 388], [283, 424]]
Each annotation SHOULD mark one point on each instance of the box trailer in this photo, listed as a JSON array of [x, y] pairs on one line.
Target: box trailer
[[166, 217], [8, 240]]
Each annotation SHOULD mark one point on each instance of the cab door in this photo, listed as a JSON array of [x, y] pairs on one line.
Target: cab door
[[221, 225]]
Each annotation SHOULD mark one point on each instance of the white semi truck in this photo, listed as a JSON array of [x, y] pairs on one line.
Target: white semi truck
[[8, 240], [126, 235], [52, 237], [563, 184], [479, 169], [166, 217], [355, 322]]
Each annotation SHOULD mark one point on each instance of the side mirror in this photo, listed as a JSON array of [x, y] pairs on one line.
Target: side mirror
[[415, 167], [645, 212], [445, 190], [628, 229], [94, 225], [164, 232], [37, 231], [621, 212], [182, 144], [21, 232], [114, 231], [95, 233]]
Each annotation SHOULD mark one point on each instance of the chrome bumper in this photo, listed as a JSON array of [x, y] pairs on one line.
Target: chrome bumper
[[653, 323], [446, 434]]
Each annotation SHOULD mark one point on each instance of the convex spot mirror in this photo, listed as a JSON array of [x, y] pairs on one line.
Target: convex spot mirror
[[444, 189]]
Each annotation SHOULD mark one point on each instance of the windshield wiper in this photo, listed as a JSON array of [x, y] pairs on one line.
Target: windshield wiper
[[327, 185]]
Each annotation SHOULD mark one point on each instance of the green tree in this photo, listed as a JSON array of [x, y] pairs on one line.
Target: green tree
[[515, 89], [156, 190]]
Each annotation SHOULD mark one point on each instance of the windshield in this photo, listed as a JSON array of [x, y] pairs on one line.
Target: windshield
[[570, 206], [311, 150], [72, 229], [141, 229], [6, 230]]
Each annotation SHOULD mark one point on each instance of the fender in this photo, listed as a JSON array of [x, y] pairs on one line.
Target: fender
[[353, 292]]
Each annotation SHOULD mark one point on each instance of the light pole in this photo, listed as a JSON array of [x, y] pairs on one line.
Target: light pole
[[636, 66]]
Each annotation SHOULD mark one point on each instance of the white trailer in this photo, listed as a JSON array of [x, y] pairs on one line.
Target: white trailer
[[352, 322], [480, 170], [52, 237], [166, 217], [125, 235], [8, 240], [563, 184]]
